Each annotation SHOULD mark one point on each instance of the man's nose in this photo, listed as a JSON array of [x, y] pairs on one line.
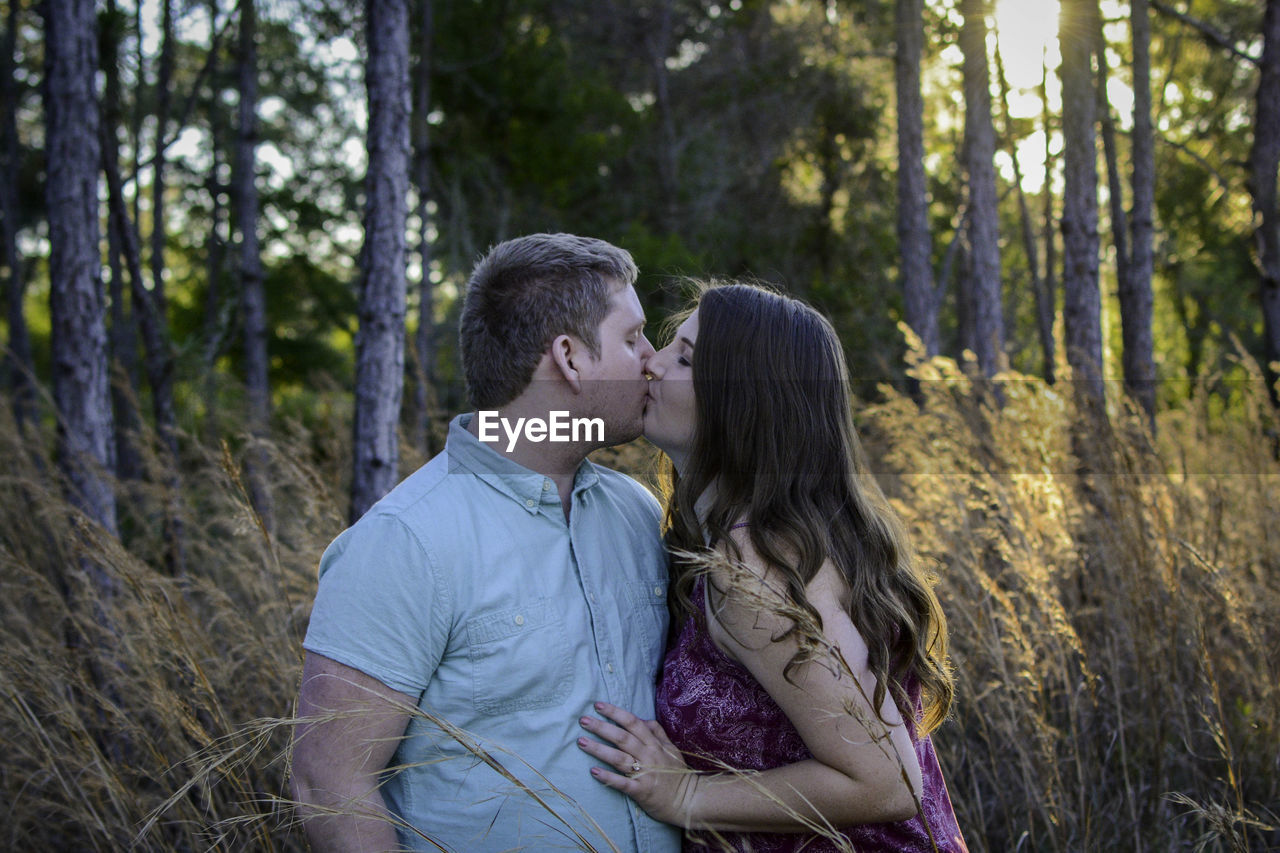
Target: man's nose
[[646, 351]]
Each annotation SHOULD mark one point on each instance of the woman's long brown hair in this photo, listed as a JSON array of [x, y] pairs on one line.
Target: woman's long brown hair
[[775, 438]]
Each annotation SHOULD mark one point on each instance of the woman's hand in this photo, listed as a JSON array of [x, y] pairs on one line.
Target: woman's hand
[[649, 769]]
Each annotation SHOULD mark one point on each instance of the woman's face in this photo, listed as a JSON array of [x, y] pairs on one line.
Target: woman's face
[[669, 413]]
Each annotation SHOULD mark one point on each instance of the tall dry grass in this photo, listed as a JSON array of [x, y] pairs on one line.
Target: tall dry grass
[[112, 702], [1114, 608], [1114, 605]]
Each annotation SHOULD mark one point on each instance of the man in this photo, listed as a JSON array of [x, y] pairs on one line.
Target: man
[[500, 590]]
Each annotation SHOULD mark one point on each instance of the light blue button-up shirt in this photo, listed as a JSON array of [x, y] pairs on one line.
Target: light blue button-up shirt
[[467, 588]]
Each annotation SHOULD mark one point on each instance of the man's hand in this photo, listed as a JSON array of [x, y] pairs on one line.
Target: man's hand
[[353, 724]]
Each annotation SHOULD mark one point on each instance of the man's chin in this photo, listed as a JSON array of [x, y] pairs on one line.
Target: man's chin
[[622, 432], [630, 434]]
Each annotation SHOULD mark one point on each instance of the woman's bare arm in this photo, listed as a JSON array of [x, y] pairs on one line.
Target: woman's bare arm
[[864, 767]]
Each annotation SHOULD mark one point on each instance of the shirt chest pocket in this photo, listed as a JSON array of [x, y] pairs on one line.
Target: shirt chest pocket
[[648, 600], [520, 658]]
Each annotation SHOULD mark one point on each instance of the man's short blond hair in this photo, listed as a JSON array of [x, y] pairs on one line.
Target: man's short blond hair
[[522, 295]]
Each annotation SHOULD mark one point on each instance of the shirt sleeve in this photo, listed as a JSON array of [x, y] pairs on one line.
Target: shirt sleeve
[[380, 606]]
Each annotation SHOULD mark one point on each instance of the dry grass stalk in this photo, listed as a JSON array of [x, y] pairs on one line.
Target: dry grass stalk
[[1113, 598]]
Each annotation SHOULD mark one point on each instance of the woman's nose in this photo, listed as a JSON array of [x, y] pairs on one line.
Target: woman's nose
[[655, 367]]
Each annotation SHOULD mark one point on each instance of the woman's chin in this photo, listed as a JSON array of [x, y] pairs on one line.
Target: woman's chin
[[655, 438], [672, 450]]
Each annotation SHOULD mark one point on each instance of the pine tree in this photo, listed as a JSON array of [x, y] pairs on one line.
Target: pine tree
[[380, 341], [1264, 163], [1082, 306], [982, 295], [914, 243], [78, 334]]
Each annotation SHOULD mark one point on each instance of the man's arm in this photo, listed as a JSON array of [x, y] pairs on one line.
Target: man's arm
[[355, 725]]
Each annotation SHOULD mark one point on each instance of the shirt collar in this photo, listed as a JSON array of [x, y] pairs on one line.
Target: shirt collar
[[468, 455]]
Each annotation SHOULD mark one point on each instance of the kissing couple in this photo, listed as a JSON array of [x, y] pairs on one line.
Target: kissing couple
[[520, 649]]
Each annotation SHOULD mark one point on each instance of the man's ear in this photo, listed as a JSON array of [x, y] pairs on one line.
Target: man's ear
[[563, 351]]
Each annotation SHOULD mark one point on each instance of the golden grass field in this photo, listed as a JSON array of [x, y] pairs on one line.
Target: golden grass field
[[1113, 600]]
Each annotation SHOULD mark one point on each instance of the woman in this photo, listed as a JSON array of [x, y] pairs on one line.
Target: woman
[[809, 657]]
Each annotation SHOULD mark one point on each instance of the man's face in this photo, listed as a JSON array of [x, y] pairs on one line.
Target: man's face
[[614, 385]]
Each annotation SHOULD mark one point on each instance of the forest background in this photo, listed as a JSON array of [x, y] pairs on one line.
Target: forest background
[[234, 239]]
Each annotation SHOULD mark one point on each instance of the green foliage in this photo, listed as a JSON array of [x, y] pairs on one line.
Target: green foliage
[[527, 129], [745, 138], [1205, 280]]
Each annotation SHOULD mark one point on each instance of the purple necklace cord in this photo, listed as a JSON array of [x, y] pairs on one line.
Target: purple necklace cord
[[740, 524]]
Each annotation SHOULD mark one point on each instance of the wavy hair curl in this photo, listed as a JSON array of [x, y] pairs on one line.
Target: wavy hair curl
[[776, 445]]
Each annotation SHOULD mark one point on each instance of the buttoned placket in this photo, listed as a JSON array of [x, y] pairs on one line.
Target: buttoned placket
[[538, 495], [605, 644], [603, 638]]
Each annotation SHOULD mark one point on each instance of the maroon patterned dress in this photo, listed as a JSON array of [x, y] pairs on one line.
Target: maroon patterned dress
[[714, 710]]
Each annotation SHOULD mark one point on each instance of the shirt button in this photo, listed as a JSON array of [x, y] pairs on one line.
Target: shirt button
[[593, 598], [657, 590], [519, 619], [609, 667], [546, 485], [530, 503]]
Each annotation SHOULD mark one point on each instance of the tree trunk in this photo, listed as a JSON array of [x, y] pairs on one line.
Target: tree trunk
[[1264, 163], [1044, 306], [124, 242], [1197, 325], [1082, 308], [253, 305], [1137, 304], [966, 303], [124, 332], [216, 301], [215, 322], [151, 306], [78, 333], [19, 370], [1048, 311], [124, 239], [380, 341], [919, 296], [658, 39], [138, 118], [163, 97], [984, 291], [1115, 182], [424, 386]]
